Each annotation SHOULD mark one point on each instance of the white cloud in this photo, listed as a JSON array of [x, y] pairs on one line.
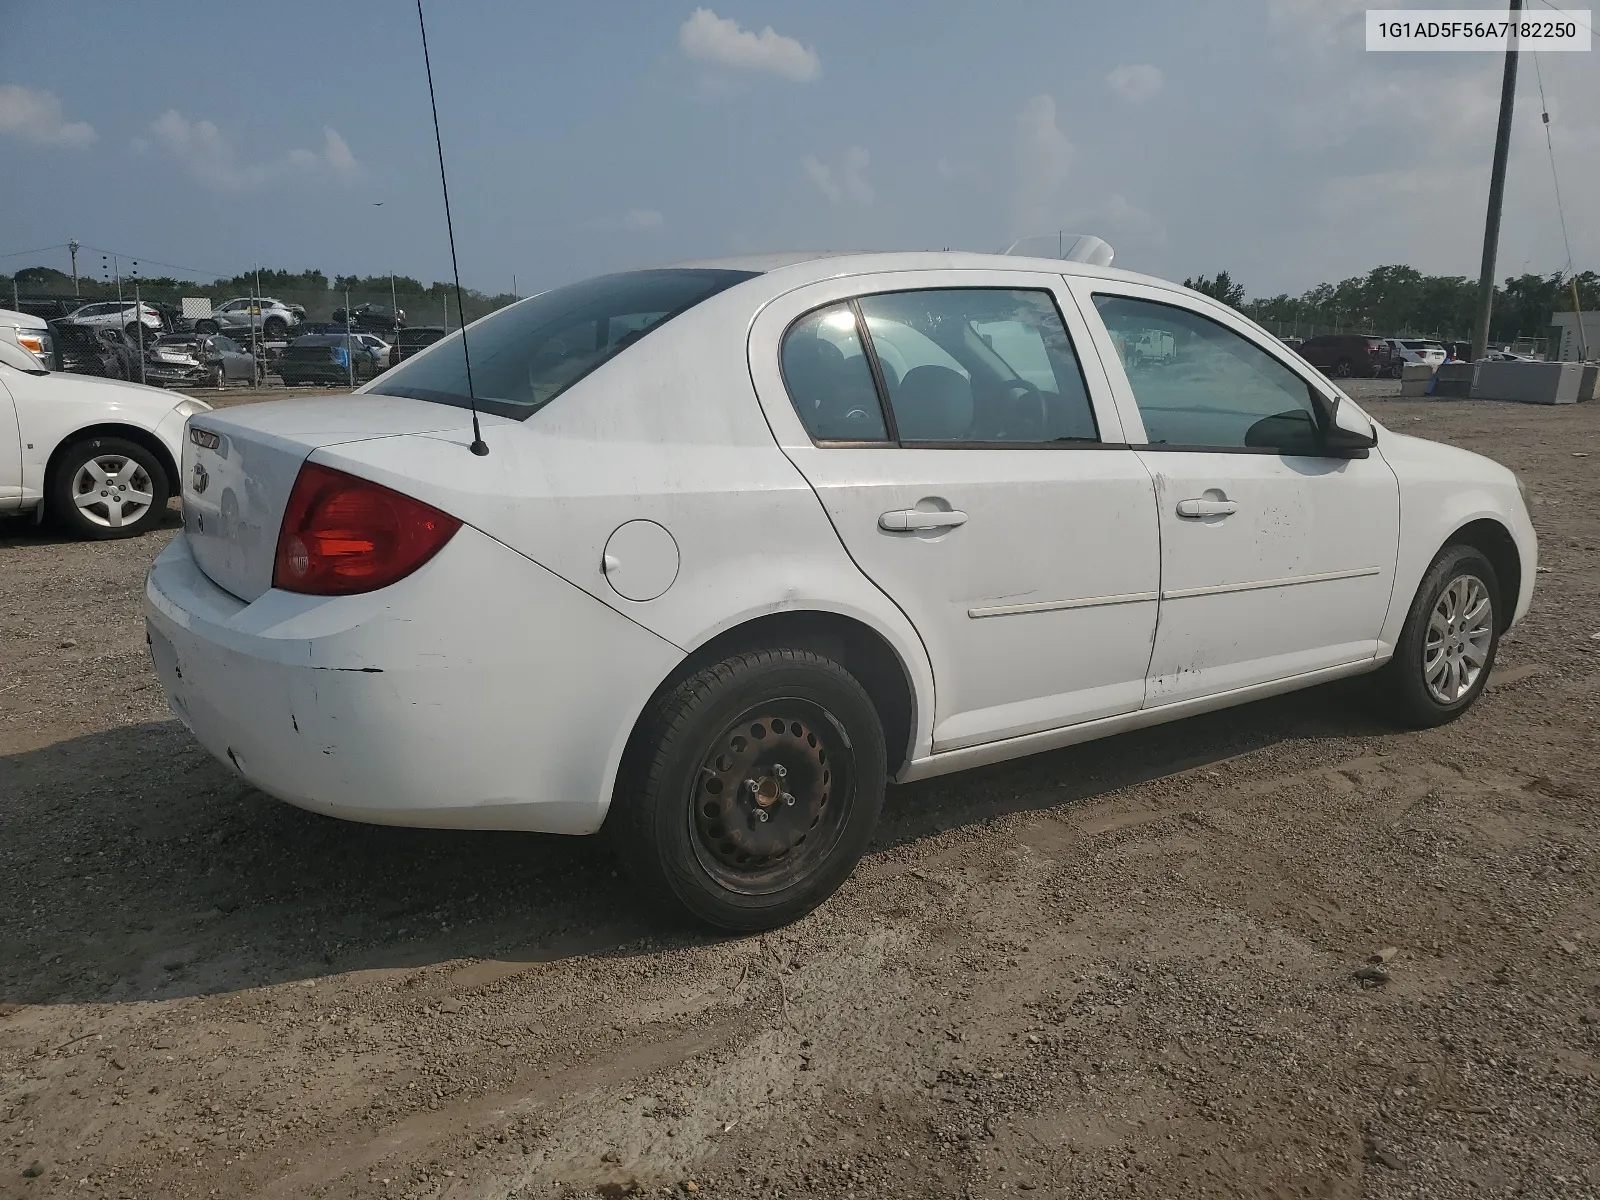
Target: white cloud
[[635, 220], [1137, 83], [845, 183], [1044, 157], [36, 117], [208, 156], [720, 40]]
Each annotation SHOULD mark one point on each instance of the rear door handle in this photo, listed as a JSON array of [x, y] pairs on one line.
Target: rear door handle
[[1206, 508], [902, 519]]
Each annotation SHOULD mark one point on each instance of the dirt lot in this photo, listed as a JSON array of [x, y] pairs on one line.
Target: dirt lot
[[1124, 968]]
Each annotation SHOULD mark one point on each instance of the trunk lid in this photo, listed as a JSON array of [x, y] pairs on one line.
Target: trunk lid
[[239, 465]]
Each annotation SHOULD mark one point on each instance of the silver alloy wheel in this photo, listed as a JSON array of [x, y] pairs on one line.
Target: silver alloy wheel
[[112, 490], [1459, 631]]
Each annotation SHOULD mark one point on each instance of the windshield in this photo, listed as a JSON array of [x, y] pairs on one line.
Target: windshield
[[526, 355]]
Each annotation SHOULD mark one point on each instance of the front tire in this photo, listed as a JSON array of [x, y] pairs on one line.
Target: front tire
[[1447, 646], [751, 790], [104, 487]]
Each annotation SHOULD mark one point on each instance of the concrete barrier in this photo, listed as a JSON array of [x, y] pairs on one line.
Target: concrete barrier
[[1527, 382], [1453, 381], [1589, 389], [1414, 379]]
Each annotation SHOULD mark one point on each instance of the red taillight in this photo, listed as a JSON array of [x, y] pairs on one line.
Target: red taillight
[[342, 534]]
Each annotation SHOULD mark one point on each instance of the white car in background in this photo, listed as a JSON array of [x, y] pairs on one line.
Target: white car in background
[[120, 314], [751, 538], [1414, 352], [97, 456], [272, 319]]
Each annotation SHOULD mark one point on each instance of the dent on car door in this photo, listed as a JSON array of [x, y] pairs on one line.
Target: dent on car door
[[1277, 556], [968, 456]]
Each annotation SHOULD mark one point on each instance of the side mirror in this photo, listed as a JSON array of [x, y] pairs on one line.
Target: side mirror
[[1349, 433]]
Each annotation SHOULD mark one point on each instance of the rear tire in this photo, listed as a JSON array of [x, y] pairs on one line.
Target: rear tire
[[103, 488], [275, 329], [1447, 646], [206, 326], [695, 836], [1343, 369]]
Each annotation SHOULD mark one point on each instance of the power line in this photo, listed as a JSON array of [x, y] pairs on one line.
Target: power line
[[1544, 113], [40, 250]]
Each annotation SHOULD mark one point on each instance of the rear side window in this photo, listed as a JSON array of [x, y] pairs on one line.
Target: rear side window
[[829, 380], [1216, 389], [526, 355], [958, 366]]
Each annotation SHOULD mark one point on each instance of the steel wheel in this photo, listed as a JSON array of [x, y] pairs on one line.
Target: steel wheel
[[112, 491], [1457, 645], [773, 793]]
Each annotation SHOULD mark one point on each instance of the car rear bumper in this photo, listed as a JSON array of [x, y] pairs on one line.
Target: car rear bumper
[[482, 692]]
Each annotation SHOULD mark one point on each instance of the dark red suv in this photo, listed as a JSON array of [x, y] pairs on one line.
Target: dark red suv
[[1345, 354]]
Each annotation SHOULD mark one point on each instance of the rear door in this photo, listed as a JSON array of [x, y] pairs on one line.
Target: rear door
[[962, 439], [1277, 559]]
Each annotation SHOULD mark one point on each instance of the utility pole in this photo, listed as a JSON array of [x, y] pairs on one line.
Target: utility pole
[[73, 246], [1497, 193]]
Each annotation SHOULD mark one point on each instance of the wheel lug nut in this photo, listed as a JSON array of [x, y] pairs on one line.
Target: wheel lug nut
[[752, 785], [780, 770], [761, 815], [788, 799]]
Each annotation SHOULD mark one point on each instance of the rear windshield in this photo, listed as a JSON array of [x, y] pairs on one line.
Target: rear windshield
[[526, 355]]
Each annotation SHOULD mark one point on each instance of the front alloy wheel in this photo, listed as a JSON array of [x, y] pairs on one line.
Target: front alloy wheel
[[106, 488], [751, 788], [1447, 646]]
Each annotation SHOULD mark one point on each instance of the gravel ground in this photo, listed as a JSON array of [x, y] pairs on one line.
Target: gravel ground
[[1127, 968]]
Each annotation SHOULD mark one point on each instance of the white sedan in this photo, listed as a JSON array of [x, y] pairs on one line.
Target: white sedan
[[752, 538], [97, 456], [1406, 352]]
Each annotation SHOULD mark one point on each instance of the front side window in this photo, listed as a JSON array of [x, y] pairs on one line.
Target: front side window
[[979, 365], [1197, 383], [527, 354]]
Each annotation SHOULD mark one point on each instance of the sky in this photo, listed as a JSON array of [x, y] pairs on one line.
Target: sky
[[1256, 136]]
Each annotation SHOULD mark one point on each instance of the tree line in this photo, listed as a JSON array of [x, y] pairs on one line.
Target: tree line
[[1400, 300]]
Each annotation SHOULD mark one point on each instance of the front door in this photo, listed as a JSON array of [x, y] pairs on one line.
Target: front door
[[1277, 558], [969, 461]]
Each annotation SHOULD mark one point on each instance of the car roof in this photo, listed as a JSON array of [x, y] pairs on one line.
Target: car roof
[[797, 268]]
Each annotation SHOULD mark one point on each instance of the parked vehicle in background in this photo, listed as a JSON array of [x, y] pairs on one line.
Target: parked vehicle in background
[[120, 314], [409, 340], [1343, 355], [906, 432], [329, 359], [273, 319], [29, 334], [51, 308], [199, 360], [1404, 352], [85, 350], [1507, 356], [378, 346], [99, 455], [373, 318]]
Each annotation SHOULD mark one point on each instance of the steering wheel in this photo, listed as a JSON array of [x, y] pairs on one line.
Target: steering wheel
[[1026, 409]]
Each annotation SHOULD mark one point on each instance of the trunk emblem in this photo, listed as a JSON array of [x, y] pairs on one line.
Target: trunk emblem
[[202, 478]]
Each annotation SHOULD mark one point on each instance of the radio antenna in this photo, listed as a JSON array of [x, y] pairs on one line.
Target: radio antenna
[[478, 446]]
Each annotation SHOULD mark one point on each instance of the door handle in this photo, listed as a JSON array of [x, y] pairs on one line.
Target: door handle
[[902, 519], [1206, 508]]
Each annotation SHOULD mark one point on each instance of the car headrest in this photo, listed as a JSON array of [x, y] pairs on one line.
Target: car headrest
[[933, 404]]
